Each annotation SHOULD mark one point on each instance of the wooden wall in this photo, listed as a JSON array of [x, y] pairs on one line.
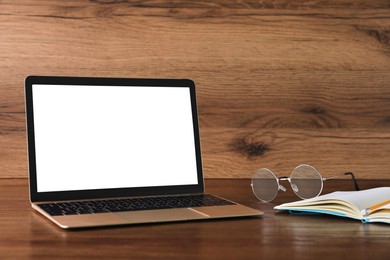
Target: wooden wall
[[279, 82]]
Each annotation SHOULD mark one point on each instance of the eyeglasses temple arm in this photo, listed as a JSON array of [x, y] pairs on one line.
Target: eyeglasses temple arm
[[354, 180], [347, 173]]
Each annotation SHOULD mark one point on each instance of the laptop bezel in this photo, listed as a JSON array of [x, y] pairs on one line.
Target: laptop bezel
[[36, 196]]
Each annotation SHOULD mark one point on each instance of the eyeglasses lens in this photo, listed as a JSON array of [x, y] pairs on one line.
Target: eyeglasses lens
[[265, 185], [306, 181]]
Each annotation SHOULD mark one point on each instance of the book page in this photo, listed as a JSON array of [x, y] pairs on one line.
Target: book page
[[365, 198], [361, 199]]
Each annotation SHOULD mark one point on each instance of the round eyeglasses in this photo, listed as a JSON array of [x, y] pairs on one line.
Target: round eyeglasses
[[305, 181]]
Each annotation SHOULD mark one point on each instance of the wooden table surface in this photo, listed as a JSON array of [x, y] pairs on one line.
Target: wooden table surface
[[277, 235]]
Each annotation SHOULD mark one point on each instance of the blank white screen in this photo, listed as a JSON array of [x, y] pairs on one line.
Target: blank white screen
[[98, 137]]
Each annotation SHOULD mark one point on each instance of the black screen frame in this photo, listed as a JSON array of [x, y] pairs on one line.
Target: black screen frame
[[36, 196]]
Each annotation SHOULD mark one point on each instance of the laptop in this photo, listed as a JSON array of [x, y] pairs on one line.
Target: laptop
[[117, 151]]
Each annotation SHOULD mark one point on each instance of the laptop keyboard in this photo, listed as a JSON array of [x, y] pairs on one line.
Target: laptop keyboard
[[132, 204]]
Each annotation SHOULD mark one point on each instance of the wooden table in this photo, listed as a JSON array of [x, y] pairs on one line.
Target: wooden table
[[26, 234]]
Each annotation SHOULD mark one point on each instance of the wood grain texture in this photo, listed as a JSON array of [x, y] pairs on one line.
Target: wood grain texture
[[277, 235], [279, 82]]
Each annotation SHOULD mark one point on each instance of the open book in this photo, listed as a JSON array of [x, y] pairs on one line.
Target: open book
[[372, 205]]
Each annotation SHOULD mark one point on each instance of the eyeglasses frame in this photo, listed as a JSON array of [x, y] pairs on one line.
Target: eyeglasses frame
[[294, 188]]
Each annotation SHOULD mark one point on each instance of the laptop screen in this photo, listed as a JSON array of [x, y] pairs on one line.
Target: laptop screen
[[106, 137]]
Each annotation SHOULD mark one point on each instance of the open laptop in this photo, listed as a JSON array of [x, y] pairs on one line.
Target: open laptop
[[113, 151]]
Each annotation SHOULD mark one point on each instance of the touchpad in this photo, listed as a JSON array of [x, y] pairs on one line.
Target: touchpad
[[160, 215]]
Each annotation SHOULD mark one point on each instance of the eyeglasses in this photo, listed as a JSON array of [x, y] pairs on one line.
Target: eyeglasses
[[305, 181]]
